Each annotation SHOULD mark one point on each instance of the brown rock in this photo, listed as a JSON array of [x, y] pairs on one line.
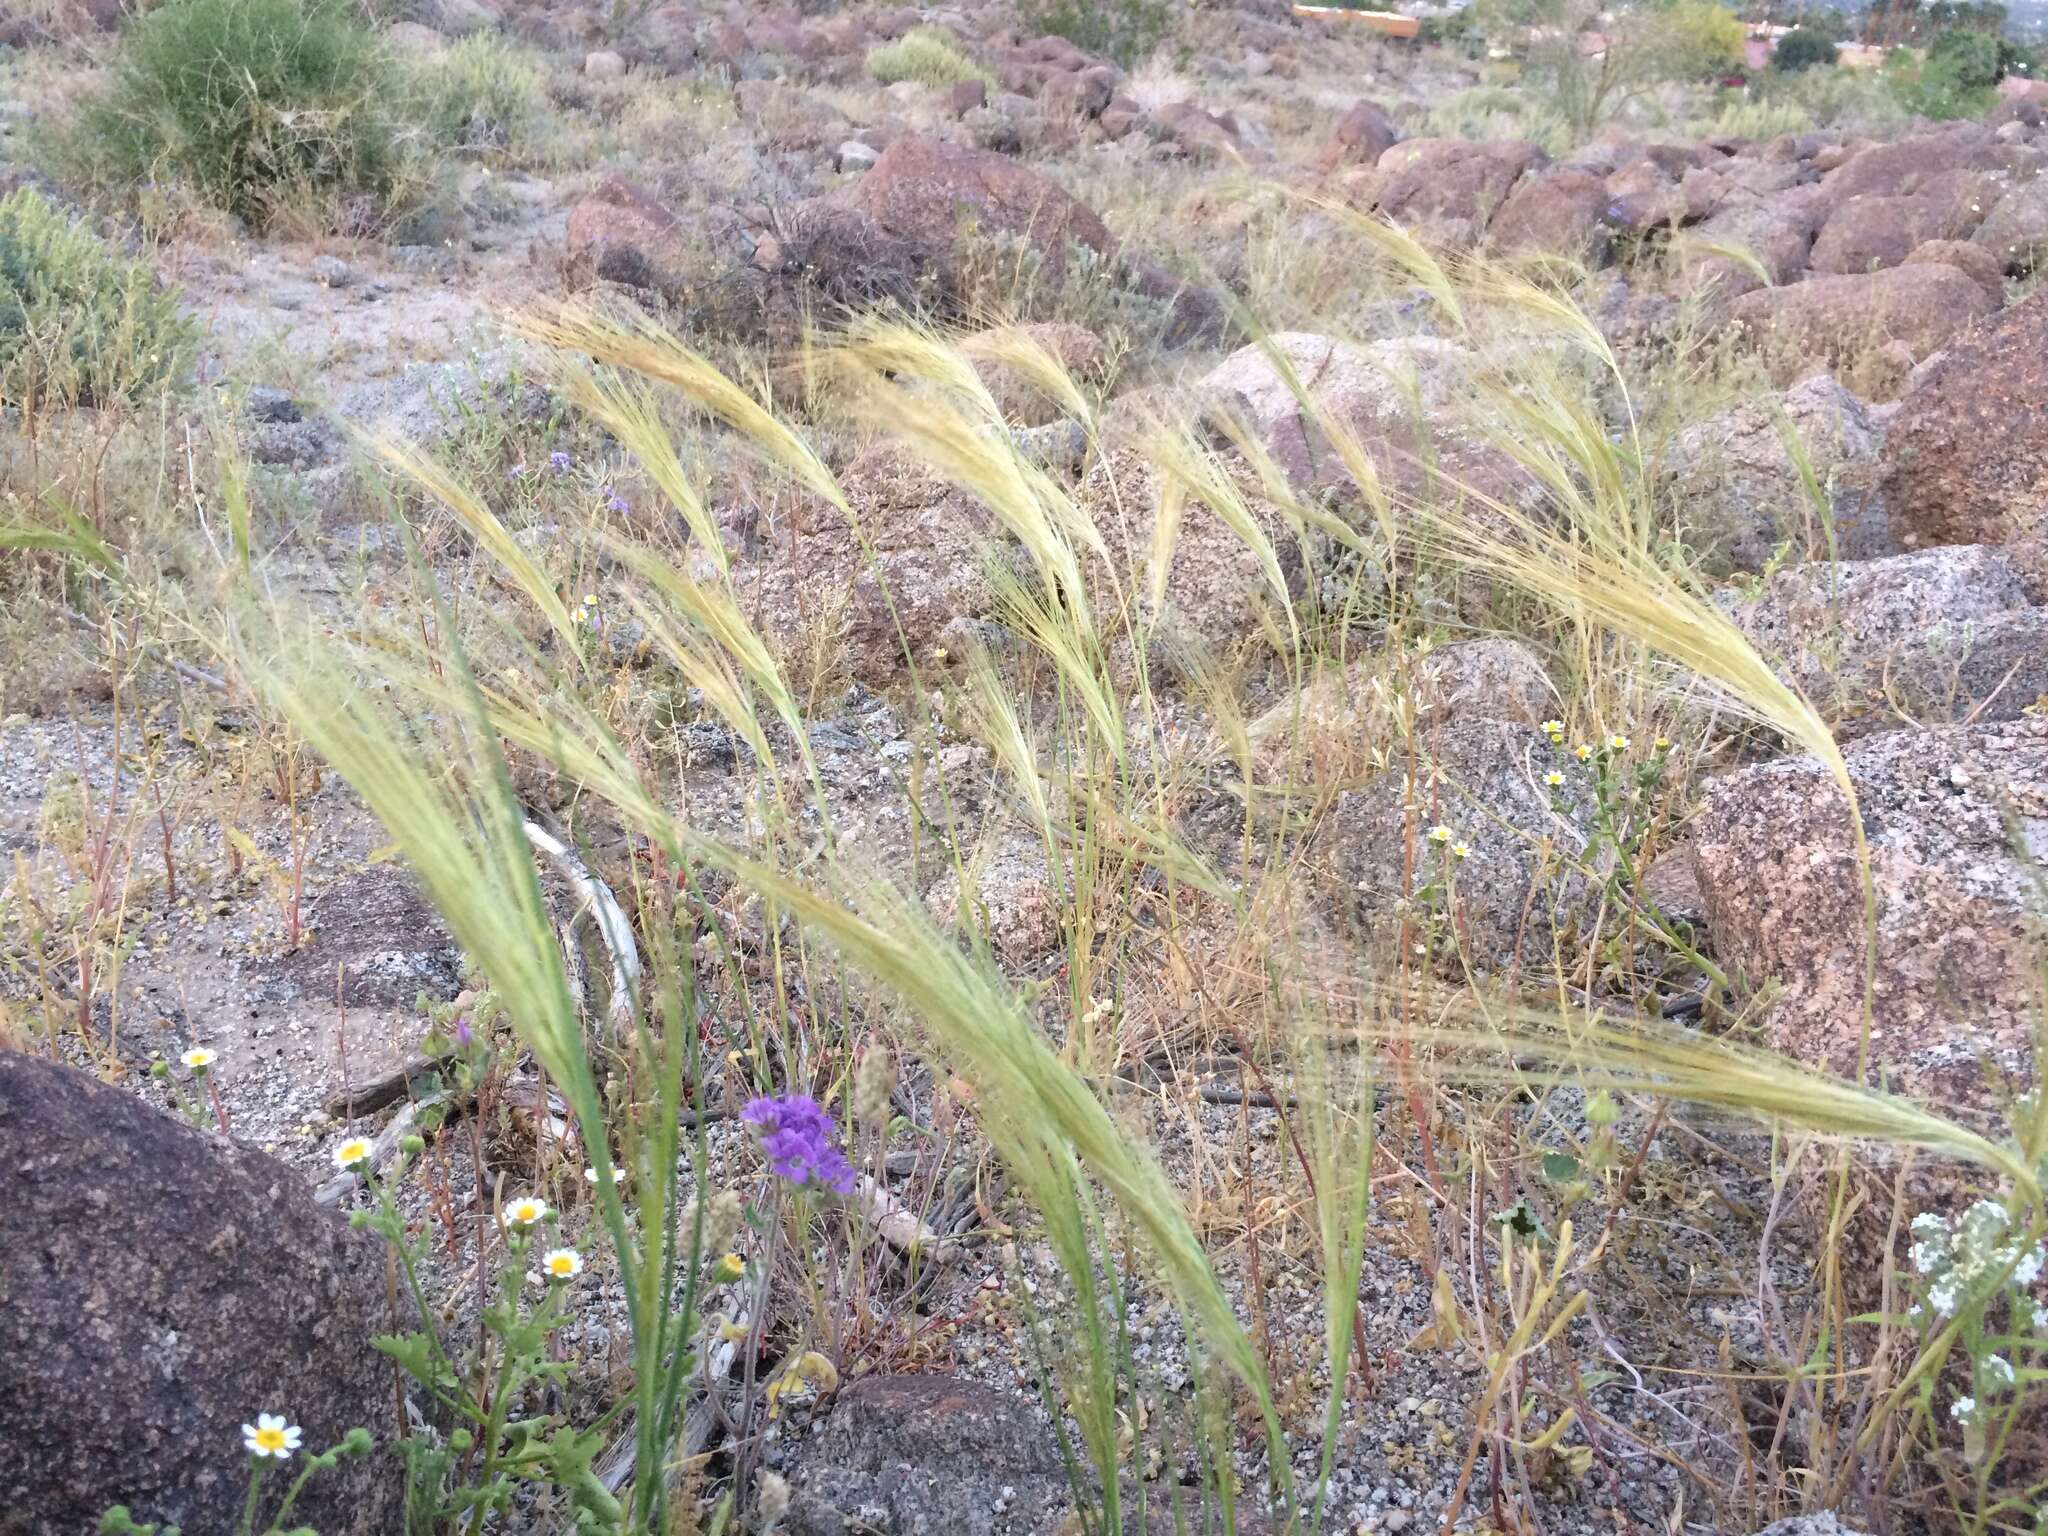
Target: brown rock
[[1966, 459], [2015, 231], [1865, 233], [621, 235], [1361, 137], [1199, 133], [966, 95], [1778, 232], [1555, 210], [1960, 944], [924, 192], [1908, 166], [1964, 256], [162, 1287], [1839, 320], [1448, 190]]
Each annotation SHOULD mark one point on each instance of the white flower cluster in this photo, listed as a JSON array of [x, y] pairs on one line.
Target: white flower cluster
[[1957, 1260]]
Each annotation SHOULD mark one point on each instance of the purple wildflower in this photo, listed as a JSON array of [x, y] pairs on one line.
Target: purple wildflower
[[797, 1136], [517, 471], [465, 1037], [559, 462], [618, 503]]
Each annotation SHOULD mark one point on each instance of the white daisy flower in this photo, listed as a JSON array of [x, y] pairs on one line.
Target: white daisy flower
[[351, 1152], [270, 1435], [526, 1212], [561, 1263], [1441, 833], [199, 1058]]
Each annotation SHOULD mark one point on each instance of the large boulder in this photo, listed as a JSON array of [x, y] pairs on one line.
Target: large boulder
[[1957, 820], [912, 571], [162, 1287], [1776, 234], [1507, 900], [1975, 262], [1739, 491], [1361, 136], [930, 194], [1448, 190], [1865, 233], [1555, 210], [1966, 459], [619, 233], [1938, 635], [2015, 231], [1841, 321], [1399, 397], [1906, 167]]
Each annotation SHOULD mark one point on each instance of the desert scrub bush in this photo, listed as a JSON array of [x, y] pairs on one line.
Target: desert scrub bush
[[484, 93], [927, 55], [1802, 49], [1124, 30], [79, 324], [260, 106]]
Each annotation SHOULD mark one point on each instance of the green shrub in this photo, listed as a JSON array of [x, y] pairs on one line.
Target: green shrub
[[1802, 49], [1971, 59], [1948, 83], [927, 55], [1123, 30], [258, 105], [78, 323], [485, 92]]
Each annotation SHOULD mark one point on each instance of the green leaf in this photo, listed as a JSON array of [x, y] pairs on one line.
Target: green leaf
[[1560, 1167]]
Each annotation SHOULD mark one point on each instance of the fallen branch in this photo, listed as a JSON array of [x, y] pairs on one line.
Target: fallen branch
[[613, 931]]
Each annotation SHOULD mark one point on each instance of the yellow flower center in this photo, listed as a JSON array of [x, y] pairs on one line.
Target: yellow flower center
[[562, 1264], [270, 1439]]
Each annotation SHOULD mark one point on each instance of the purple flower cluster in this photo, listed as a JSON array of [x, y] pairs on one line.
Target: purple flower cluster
[[559, 462], [797, 1136]]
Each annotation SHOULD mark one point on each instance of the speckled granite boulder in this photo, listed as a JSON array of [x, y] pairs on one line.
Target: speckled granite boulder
[[161, 1287]]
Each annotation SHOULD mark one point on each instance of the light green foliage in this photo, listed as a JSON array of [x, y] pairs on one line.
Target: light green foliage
[[1123, 30], [485, 92], [1639, 47], [257, 105], [79, 323], [928, 55], [1946, 84]]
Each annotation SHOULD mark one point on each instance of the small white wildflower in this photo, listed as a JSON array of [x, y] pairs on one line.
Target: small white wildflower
[[561, 1263], [1942, 1295], [1998, 1369], [1553, 778], [590, 1175], [1461, 850], [199, 1058], [1582, 752], [1925, 1257], [526, 1212], [1927, 1224], [351, 1152], [270, 1435], [1553, 727], [2028, 1270], [1986, 1219], [1441, 833], [1962, 1408], [1617, 742]]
